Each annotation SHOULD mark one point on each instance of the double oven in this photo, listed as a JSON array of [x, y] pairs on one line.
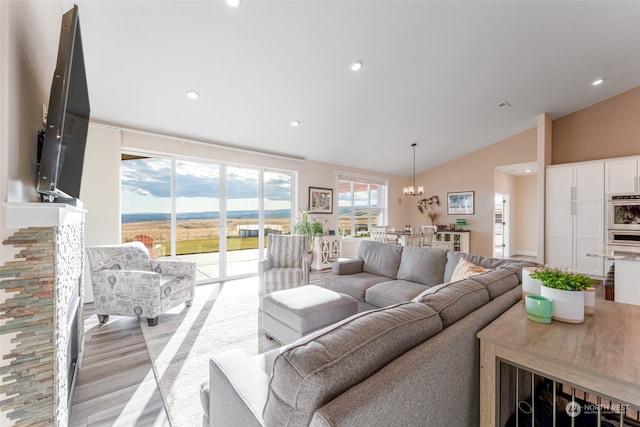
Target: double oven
[[623, 221]]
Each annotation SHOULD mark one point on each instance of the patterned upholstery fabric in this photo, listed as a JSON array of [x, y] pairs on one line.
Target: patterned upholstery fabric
[[286, 264], [126, 282]]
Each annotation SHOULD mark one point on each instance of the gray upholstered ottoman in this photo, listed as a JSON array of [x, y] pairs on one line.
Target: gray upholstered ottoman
[[292, 313]]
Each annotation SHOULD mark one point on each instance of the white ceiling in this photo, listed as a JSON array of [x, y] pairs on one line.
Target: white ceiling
[[434, 72]]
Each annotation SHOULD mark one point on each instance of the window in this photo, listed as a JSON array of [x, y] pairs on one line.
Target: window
[[362, 204]]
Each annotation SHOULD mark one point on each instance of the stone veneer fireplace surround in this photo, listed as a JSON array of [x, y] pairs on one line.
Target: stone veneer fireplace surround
[[42, 312]]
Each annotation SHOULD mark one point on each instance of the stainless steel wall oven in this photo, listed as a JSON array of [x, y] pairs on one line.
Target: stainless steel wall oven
[[623, 219]]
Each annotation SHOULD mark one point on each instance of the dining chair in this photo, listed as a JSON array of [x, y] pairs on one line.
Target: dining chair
[[428, 235], [416, 237], [379, 234]]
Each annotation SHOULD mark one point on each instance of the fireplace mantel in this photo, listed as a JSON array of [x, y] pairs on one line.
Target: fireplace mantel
[[21, 215]]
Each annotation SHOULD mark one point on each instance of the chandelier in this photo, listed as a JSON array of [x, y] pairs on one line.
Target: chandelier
[[411, 190]]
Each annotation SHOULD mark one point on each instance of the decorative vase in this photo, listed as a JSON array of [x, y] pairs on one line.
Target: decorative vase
[[538, 308], [530, 286], [590, 301], [568, 306]]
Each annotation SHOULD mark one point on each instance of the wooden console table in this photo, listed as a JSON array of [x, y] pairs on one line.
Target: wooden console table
[[601, 355]]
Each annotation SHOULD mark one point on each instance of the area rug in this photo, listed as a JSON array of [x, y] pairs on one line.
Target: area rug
[[222, 317]]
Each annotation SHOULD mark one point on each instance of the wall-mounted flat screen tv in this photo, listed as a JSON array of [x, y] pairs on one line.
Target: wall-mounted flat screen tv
[[61, 156]]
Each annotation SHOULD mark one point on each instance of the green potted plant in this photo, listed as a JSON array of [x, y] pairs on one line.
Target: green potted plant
[[310, 227], [566, 289]]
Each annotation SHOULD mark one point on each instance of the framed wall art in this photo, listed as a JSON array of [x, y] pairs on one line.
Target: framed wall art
[[460, 203], [320, 200]]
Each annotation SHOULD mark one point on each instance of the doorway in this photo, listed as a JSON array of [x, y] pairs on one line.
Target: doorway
[[500, 226]]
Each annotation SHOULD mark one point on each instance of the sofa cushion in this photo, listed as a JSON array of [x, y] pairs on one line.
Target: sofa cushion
[[455, 300], [422, 265], [354, 285], [380, 258], [393, 292], [317, 368], [497, 281], [482, 261], [466, 269]]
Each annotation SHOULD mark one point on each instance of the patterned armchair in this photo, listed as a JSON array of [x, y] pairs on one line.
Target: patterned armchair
[[126, 282], [286, 264]]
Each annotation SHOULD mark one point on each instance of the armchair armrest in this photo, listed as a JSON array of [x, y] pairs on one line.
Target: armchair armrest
[[174, 267], [264, 265], [238, 388], [350, 266]]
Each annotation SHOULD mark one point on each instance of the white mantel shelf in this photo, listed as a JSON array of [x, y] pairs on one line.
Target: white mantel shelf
[[21, 215]]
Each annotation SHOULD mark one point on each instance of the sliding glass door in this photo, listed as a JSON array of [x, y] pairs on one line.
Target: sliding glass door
[[214, 214]]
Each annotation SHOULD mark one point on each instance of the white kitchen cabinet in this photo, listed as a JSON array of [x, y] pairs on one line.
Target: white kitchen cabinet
[[575, 216], [622, 175]]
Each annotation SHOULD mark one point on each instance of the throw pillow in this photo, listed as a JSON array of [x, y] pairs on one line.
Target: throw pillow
[[466, 269]]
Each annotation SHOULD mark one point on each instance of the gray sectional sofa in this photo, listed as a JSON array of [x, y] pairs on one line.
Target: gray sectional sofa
[[411, 358], [383, 275]]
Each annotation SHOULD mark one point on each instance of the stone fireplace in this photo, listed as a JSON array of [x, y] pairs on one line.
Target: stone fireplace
[[42, 312]]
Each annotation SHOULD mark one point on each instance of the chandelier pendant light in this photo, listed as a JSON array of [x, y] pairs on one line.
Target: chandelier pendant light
[[411, 190]]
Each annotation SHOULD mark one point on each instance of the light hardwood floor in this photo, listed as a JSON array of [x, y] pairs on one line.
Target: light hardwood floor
[[116, 385]]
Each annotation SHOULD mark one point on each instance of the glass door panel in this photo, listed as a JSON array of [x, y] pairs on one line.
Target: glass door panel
[[241, 221], [145, 202], [277, 203], [197, 206]]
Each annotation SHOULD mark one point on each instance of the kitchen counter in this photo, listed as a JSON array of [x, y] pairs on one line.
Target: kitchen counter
[[616, 254], [626, 273]]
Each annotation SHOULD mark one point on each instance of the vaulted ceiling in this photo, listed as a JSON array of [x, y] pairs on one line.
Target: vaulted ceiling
[[434, 72]]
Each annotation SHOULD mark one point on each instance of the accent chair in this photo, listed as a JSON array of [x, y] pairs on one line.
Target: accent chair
[[286, 264], [126, 282]]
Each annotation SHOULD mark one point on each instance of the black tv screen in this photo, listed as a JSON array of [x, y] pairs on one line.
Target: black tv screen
[[65, 135]]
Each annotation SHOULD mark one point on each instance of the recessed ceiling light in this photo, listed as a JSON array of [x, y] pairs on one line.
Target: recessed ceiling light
[[504, 105], [356, 66], [527, 171], [295, 123], [597, 82], [233, 3], [192, 94]]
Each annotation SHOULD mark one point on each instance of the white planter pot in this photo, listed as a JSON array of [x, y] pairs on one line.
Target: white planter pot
[[568, 306], [590, 301], [530, 286]]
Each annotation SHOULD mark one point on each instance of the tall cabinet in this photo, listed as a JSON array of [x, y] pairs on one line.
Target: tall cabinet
[[575, 216]]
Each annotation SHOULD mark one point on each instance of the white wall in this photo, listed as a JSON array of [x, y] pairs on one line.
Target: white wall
[[100, 191], [526, 242]]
